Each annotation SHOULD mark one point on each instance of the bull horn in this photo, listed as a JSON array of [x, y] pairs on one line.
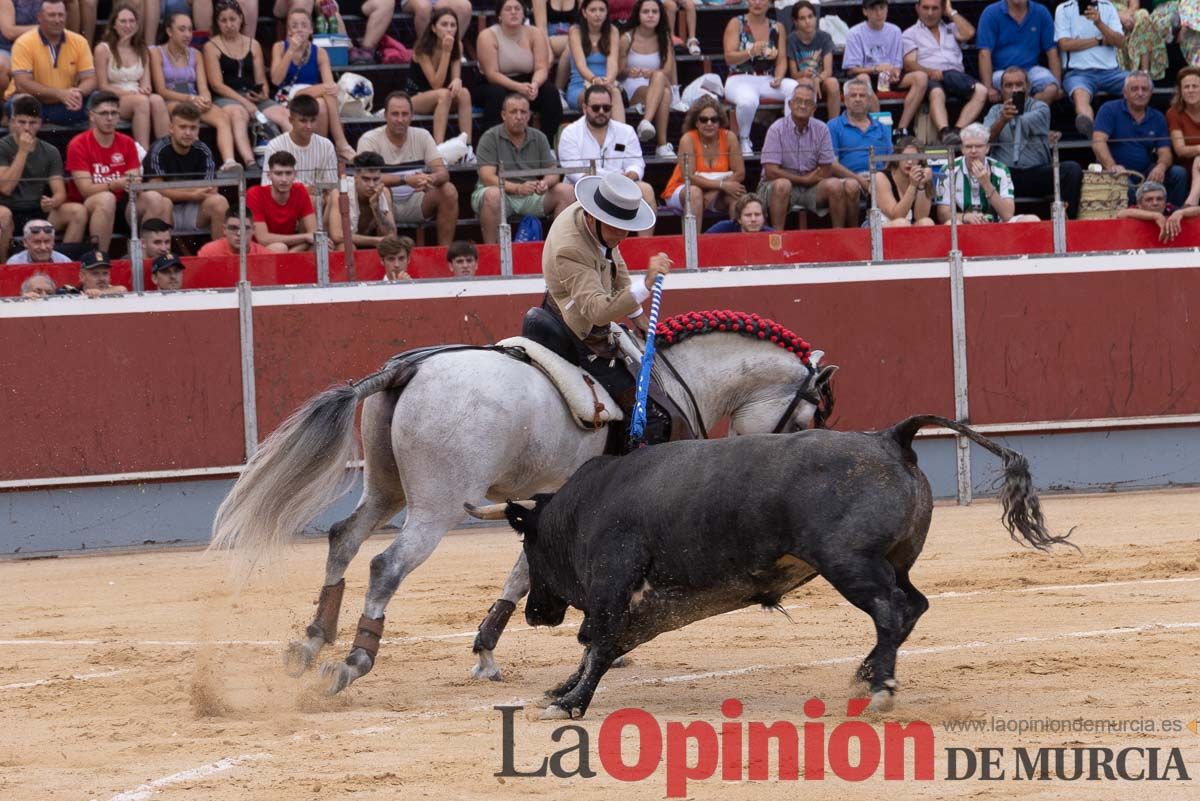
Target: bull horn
[[530, 505], [493, 511]]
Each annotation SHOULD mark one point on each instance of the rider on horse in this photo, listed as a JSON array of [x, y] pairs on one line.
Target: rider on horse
[[588, 287]]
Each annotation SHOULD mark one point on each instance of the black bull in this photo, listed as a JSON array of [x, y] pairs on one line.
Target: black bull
[[672, 534]]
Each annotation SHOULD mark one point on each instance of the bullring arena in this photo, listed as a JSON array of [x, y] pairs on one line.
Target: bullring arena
[[138, 676]]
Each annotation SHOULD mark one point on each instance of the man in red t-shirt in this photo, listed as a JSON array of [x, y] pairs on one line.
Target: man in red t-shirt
[[283, 212], [100, 160], [232, 241]]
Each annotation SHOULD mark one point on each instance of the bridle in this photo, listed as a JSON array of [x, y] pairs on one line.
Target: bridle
[[806, 393]]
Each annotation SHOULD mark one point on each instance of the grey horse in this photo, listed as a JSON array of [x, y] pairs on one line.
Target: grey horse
[[445, 429]]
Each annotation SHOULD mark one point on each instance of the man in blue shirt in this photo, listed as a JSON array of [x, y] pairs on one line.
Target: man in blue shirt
[[854, 133], [1089, 34], [1132, 118], [1014, 33]]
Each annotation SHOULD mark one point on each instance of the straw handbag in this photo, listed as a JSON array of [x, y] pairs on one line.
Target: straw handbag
[[1105, 193]]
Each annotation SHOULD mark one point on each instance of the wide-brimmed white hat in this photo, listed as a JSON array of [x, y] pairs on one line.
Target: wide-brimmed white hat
[[616, 200]]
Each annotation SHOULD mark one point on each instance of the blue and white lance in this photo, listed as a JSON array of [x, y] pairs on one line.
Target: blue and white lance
[[637, 426]]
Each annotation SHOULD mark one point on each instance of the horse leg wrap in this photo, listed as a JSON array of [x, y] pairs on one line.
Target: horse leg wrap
[[370, 632], [329, 605], [493, 626]]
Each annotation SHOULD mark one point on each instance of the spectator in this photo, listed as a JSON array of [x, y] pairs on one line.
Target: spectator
[[1183, 119], [904, 191], [748, 217], [423, 9], [182, 156], [95, 277], [983, 189], [316, 159], [612, 145], [647, 62], [595, 48], [156, 238], [235, 228], [1015, 33], [282, 210], [435, 77], [372, 214], [417, 195], [797, 163], [54, 65], [38, 238], [757, 65], [1022, 140], [1089, 40], [28, 168], [516, 146], [16, 17], [710, 151], [237, 78], [179, 76], [101, 161], [379, 15], [514, 57], [122, 60], [875, 51], [854, 133], [462, 258], [810, 56], [1131, 118], [298, 67], [556, 22], [151, 13], [167, 272], [1145, 42], [933, 46], [1152, 206], [38, 285], [689, 30], [394, 252]]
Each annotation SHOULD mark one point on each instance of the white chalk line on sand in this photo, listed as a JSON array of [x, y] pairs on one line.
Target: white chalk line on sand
[[1099, 585], [148, 789], [22, 685]]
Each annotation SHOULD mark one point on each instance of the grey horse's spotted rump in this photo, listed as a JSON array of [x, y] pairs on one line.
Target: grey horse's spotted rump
[[454, 428], [736, 522]]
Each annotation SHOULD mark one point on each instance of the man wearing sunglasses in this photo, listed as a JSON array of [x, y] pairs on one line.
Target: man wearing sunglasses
[[613, 146], [39, 245]]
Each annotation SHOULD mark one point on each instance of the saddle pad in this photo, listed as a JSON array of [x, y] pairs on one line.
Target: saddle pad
[[579, 390]]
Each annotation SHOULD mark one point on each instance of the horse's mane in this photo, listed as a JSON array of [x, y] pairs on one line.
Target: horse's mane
[[674, 330]]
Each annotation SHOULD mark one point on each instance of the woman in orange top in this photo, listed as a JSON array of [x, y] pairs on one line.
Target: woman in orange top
[[712, 151]]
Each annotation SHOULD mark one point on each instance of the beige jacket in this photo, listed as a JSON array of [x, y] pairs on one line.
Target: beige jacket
[[586, 289]]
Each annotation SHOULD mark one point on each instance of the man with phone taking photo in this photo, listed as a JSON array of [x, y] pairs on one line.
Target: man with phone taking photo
[[1089, 33], [1020, 133]]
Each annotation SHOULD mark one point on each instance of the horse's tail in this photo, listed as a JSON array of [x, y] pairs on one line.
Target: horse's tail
[[1022, 509], [297, 471]]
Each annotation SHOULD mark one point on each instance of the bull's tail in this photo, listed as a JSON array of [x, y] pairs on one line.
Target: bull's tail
[[297, 471], [1022, 509]]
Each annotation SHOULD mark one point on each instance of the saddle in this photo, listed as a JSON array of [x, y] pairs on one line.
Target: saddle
[[590, 403], [615, 366]]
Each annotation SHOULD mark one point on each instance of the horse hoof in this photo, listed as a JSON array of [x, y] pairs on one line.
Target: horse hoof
[[486, 673], [297, 658], [555, 712], [882, 701], [336, 676]]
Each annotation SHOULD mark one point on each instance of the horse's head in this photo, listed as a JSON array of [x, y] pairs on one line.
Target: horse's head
[[812, 404]]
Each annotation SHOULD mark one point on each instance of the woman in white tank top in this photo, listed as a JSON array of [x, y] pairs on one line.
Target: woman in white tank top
[[647, 64], [122, 66]]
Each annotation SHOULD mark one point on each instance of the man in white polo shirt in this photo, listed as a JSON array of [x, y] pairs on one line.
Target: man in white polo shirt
[[316, 158], [613, 145]]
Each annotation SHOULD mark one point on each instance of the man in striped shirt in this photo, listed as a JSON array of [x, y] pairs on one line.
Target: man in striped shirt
[[983, 187], [316, 158], [181, 156]]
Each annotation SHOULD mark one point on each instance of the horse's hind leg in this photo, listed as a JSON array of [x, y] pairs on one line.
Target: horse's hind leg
[[515, 588], [422, 532], [382, 499]]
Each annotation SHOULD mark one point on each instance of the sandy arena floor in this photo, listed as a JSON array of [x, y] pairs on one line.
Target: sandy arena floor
[[135, 676]]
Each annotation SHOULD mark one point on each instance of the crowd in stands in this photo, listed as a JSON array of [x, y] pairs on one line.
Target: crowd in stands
[[566, 88]]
